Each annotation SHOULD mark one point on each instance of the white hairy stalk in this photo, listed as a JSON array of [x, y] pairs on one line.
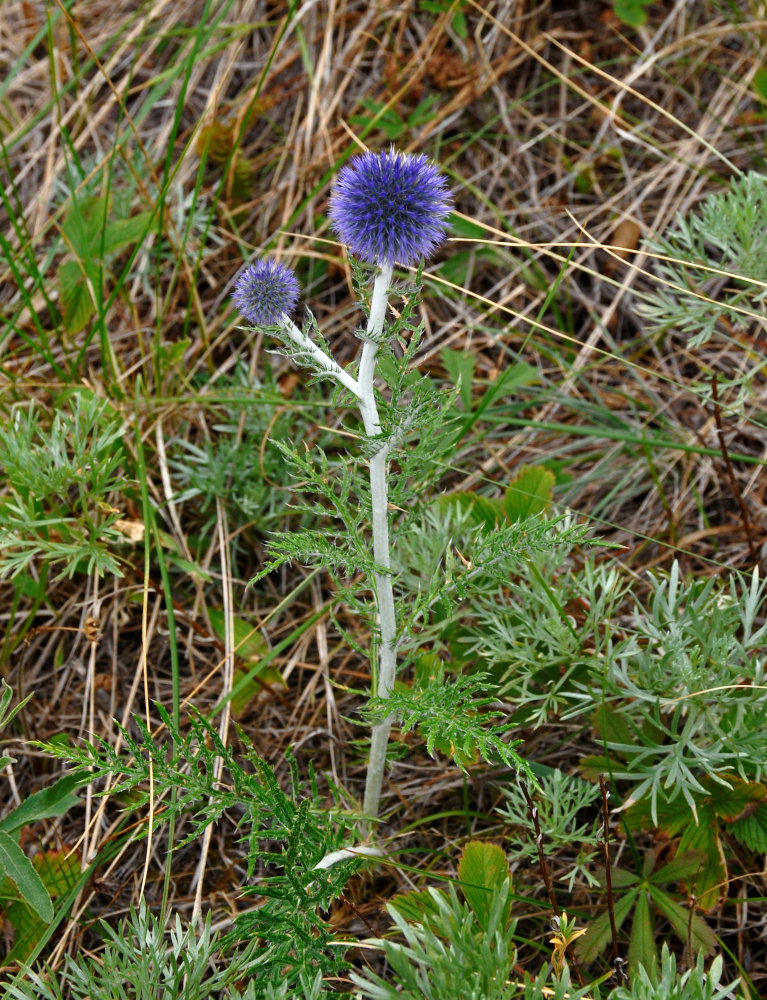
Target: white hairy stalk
[[363, 388], [378, 468]]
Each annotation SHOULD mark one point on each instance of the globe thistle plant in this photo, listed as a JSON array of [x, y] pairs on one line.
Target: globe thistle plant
[[387, 208]]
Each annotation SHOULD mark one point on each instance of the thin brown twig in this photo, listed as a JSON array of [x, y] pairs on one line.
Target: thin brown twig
[[533, 808], [618, 963], [730, 471]]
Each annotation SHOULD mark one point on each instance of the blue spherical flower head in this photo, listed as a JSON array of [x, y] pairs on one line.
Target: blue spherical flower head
[[390, 207], [265, 291]]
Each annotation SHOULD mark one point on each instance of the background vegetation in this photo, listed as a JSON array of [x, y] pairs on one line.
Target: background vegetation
[[601, 320]]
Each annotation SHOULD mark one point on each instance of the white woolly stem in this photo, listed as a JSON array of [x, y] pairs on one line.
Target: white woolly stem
[[363, 388], [319, 357], [384, 592]]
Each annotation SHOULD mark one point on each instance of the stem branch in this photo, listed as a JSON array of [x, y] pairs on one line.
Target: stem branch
[[319, 357]]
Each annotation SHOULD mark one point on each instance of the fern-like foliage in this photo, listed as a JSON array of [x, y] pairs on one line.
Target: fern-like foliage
[[452, 715], [285, 833]]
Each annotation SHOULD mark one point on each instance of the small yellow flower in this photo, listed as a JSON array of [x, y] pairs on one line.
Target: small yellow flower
[[566, 933]]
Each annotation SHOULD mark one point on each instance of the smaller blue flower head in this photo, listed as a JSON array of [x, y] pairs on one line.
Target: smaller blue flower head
[[264, 291], [390, 207]]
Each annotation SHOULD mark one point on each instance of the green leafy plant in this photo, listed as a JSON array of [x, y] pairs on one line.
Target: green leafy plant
[[559, 799], [452, 716], [390, 121], [659, 716], [712, 264], [447, 942], [407, 417], [632, 12], [158, 958], [62, 472], [647, 894], [26, 885], [287, 836], [519, 628], [728, 809], [455, 7], [93, 234], [697, 983]]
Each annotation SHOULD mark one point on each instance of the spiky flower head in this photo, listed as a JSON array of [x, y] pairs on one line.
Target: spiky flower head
[[390, 207], [264, 291]]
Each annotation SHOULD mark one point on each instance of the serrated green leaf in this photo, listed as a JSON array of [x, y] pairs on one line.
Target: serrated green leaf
[[120, 233], [250, 646], [466, 228], [703, 938], [752, 830], [736, 801], [671, 816], [632, 12], [58, 870], [592, 766], [709, 878], [642, 948], [599, 934], [760, 83], [249, 643], [6, 693], [460, 25], [458, 266], [611, 725], [22, 873], [528, 494], [82, 226], [511, 378], [482, 868], [74, 296], [683, 866], [7, 714], [620, 877], [484, 511]]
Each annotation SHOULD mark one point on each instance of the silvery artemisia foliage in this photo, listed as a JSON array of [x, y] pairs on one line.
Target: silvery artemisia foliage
[[717, 266]]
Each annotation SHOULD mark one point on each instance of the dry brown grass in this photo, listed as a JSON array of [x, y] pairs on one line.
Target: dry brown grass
[[567, 138]]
